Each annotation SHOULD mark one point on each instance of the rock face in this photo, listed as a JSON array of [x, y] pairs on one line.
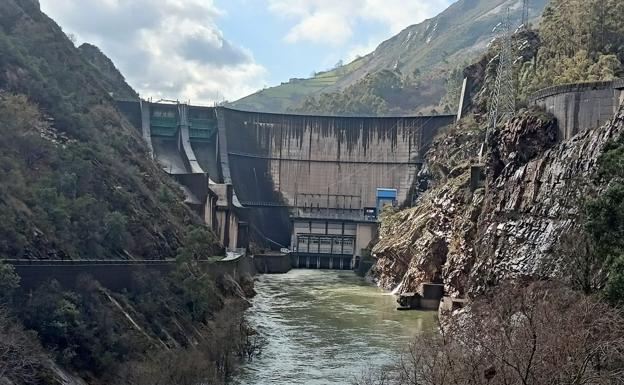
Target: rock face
[[531, 205], [512, 228], [415, 244]]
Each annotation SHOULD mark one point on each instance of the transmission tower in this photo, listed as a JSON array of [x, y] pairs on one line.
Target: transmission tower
[[525, 12], [503, 99]]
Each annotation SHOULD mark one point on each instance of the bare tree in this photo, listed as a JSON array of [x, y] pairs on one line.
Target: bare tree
[[180, 367], [210, 361], [534, 334], [20, 355], [585, 265]]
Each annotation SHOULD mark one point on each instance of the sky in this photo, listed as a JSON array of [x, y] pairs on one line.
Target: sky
[[213, 50]]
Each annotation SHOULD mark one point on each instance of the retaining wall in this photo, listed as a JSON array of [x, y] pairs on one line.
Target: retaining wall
[[272, 264], [115, 275], [580, 106]]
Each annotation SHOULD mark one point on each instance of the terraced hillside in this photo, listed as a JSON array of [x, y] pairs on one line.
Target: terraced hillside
[[422, 55]]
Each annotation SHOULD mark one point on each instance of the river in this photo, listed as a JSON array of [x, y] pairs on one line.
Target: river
[[325, 327]]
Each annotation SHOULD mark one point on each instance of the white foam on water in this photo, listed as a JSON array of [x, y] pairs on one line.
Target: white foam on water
[[397, 289]]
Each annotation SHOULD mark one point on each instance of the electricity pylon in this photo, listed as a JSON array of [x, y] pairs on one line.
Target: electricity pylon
[[525, 12], [503, 99]]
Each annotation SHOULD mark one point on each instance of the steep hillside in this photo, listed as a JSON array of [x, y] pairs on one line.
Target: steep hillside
[[76, 182], [422, 55], [114, 81], [514, 228]]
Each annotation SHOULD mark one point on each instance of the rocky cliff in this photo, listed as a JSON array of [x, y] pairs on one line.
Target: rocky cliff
[[510, 228]]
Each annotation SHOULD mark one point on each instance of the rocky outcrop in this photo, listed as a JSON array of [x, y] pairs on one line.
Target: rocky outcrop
[[415, 245], [530, 206], [510, 229]]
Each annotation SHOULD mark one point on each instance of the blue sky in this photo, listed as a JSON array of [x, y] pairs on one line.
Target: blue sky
[[207, 50]]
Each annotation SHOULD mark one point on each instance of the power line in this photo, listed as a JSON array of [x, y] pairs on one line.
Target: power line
[[525, 12], [503, 99]]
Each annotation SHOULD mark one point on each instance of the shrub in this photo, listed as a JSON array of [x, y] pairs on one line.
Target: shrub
[[539, 333], [605, 220], [21, 357], [9, 282]]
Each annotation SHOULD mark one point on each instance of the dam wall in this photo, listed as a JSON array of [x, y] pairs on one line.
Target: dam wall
[[307, 158], [580, 106], [261, 175], [186, 149], [283, 164]]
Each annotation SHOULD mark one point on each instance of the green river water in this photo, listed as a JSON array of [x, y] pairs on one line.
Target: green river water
[[325, 327]]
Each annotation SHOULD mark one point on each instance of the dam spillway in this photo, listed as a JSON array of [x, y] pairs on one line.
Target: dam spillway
[[310, 184]]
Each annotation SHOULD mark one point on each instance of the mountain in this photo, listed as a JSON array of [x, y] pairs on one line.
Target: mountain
[[76, 179], [113, 80], [77, 183], [423, 57]]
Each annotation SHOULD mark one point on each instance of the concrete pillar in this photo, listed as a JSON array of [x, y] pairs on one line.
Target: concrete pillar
[[463, 100], [331, 263], [308, 262], [318, 262], [146, 126]]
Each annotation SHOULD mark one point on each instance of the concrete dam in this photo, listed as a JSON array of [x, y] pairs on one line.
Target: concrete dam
[[311, 184]]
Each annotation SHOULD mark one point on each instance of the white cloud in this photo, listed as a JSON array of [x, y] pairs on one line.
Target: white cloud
[[321, 27], [359, 50], [173, 49], [399, 14], [333, 21]]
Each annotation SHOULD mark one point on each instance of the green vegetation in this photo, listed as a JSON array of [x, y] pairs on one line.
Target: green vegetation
[[76, 182], [384, 93], [425, 56], [290, 94], [97, 333], [82, 197], [575, 41], [579, 40], [368, 97], [9, 283], [605, 221], [198, 244], [113, 80]]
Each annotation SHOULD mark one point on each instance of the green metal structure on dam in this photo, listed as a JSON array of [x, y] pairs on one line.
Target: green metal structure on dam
[[298, 182]]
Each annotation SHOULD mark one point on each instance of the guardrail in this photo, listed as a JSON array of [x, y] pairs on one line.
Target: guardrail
[[576, 87], [113, 274], [92, 262]]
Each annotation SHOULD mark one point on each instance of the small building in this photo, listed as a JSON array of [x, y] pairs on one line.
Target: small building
[[386, 197]]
